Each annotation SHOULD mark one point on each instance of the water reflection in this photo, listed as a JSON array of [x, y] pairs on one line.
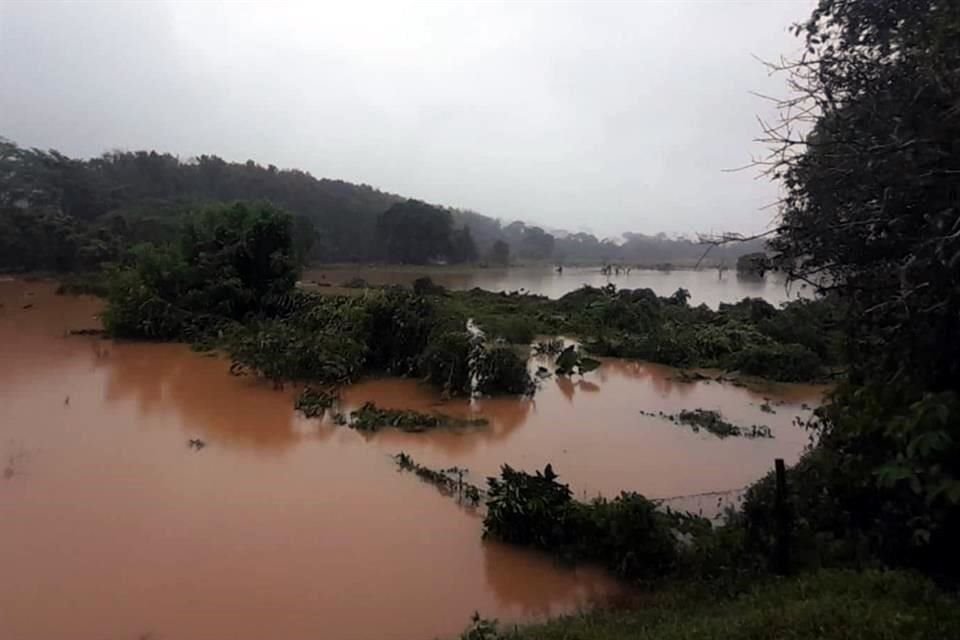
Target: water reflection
[[288, 527], [212, 404], [531, 591], [704, 286]]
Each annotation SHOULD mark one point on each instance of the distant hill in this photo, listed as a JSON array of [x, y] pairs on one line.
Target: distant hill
[[85, 204]]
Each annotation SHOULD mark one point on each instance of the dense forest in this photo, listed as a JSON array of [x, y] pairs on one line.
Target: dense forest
[[61, 213]]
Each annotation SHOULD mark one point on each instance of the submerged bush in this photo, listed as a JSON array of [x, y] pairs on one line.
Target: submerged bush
[[628, 534], [445, 362], [500, 370], [786, 362], [281, 351], [516, 329], [712, 422], [313, 403], [229, 259], [449, 481], [370, 417]]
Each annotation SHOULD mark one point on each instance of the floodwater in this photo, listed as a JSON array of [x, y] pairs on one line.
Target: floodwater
[[705, 286], [112, 527]]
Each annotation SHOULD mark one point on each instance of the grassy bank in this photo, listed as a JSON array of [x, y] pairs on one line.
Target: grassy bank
[[827, 605]]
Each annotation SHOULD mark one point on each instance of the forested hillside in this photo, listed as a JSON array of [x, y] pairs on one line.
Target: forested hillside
[[61, 213]]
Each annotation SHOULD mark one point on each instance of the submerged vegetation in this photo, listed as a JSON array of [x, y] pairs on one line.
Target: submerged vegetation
[[228, 284], [313, 403], [712, 422], [630, 535], [370, 417], [449, 481]]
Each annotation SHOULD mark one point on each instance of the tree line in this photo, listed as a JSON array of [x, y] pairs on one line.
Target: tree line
[[62, 213]]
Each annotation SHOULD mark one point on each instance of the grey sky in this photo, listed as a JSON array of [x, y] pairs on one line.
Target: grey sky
[[609, 116]]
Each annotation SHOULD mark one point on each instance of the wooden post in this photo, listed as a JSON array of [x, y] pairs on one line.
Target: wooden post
[[782, 514]]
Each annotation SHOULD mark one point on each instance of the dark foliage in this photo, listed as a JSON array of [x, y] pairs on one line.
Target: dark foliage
[[448, 481], [313, 403], [231, 259], [871, 215], [628, 534], [712, 422], [370, 417], [500, 370], [415, 232]]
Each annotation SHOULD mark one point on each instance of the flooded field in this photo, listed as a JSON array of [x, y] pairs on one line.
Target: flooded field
[[286, 527], [704, 286]]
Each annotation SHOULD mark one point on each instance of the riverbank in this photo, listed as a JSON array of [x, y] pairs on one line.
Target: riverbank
[[825, 605]]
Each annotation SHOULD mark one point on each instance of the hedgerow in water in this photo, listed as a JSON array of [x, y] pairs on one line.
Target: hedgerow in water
[[229, 284], [313, 403], [370, 417], [449, 481], [712, 422], [628, 534]]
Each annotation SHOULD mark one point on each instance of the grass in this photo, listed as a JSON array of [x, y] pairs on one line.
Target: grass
[[827, 605]]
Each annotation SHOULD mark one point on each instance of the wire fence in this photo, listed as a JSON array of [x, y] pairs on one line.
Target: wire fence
[[712, 505]]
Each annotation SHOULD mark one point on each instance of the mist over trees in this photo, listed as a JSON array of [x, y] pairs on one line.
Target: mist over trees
[[62, 213]]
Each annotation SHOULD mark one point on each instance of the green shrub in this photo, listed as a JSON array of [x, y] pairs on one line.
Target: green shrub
[[881, 487], [445, 362], [281, 352], [787, 363], [628, 534], [516, 329], [500, 370]]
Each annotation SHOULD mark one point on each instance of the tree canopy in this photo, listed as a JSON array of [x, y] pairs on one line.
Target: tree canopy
[[415, 232], [867, 151], [63, 213]]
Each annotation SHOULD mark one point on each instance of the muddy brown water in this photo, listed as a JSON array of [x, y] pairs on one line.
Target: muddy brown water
[[111, 527], [704, 285]]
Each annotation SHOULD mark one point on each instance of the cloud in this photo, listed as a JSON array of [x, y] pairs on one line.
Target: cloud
[[615, 116]]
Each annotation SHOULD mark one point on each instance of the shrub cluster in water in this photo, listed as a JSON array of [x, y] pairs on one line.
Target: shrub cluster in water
[[313, 403], [628, 534], [712, 422], [229, 283], [448, 481], [795, 343], [370, 417]]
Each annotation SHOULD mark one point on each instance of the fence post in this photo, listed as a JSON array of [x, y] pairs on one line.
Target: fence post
[[782, 515]]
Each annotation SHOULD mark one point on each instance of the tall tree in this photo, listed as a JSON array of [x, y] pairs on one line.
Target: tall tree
[[500, 253], [414, 232], [462, 247], [868, 154]]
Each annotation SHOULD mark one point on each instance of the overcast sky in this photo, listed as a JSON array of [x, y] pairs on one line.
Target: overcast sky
[[611, 116]]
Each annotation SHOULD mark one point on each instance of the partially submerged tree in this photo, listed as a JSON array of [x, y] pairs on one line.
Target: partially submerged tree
[[753, 264]]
